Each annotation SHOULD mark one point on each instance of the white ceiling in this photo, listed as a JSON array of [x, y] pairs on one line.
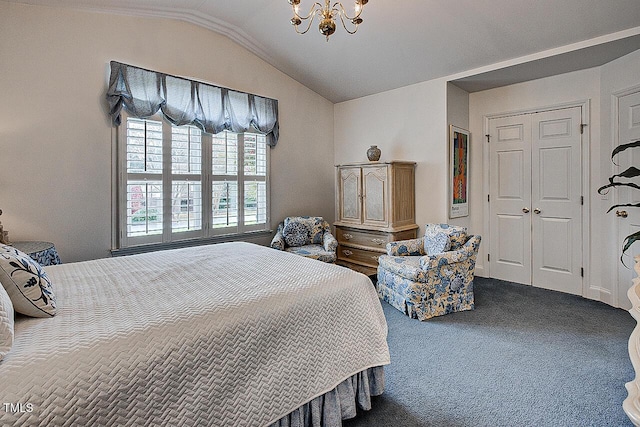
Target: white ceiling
[[409, 41]]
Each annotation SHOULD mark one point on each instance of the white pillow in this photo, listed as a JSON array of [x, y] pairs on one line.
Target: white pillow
[[6, 323], [26, 283]]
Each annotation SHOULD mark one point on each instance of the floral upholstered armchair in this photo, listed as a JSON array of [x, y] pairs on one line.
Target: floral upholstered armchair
[[309, 236], [432, 275]]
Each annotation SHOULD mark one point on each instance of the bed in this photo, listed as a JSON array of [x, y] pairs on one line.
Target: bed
[[233, 334]]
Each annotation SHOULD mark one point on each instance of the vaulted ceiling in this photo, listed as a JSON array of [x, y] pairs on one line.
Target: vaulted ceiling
[[409, 41]]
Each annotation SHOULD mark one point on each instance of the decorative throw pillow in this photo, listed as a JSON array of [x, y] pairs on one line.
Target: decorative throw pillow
[[316, 225], [6, 323], [436, 243], [278, 240], [457, 235], [296, 234], [26, 283]]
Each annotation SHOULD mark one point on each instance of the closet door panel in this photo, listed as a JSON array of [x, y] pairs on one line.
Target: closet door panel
[[556, 198], [510, 203]]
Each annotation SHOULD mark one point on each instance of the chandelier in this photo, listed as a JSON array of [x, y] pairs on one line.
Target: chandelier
[[328, 14]]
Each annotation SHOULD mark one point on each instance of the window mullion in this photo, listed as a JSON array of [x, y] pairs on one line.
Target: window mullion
[[166, 181], [122, 184], [241, 226], [207, 171], [267, 184]]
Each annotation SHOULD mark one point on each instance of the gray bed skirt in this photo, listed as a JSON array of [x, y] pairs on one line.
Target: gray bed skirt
[[341, 403]]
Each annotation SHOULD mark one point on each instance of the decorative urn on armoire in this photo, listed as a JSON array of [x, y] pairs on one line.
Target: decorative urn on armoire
[[373, 153]]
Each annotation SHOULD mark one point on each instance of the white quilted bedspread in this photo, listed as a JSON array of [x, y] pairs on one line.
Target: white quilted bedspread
[[232, 334]]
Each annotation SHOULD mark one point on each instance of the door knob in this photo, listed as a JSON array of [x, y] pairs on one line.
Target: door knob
[[525, 210], [622, 214], [537, 211]]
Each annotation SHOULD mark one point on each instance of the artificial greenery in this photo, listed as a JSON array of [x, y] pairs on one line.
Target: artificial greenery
[[630, 173]]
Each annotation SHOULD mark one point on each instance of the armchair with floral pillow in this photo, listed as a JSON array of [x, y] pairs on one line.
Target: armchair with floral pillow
[[308, 236], [432, 275]]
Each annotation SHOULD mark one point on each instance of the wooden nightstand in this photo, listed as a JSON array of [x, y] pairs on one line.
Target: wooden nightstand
[[44, 253]]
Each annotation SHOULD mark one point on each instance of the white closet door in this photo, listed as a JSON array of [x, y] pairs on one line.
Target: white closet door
[[556, 192], [510, 198], [535, 199], [628, 217]]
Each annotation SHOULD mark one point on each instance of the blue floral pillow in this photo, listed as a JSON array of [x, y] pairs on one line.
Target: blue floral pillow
[[315, 224], [296, 234], [457, 235], [26, 283], [436, 243]]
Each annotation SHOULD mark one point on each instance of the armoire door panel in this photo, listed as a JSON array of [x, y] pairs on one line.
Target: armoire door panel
[[374, 195], [350, 200]]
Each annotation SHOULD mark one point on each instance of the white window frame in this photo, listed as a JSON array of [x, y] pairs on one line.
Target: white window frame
[[207, 234]]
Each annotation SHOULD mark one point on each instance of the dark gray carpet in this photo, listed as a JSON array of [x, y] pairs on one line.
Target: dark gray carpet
[[523, 357]]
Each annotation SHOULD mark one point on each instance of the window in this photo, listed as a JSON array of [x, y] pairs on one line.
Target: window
[[177, 182]]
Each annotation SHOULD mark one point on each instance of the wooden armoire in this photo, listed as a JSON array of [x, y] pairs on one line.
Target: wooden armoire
[[375, 204]]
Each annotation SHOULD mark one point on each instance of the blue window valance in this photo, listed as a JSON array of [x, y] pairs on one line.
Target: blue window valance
[[182, 101]]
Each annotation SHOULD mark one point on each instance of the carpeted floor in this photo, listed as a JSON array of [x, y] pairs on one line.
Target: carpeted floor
[[524, 357]]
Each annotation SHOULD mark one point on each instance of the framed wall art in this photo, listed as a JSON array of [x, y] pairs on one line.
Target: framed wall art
[[458, 172]]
